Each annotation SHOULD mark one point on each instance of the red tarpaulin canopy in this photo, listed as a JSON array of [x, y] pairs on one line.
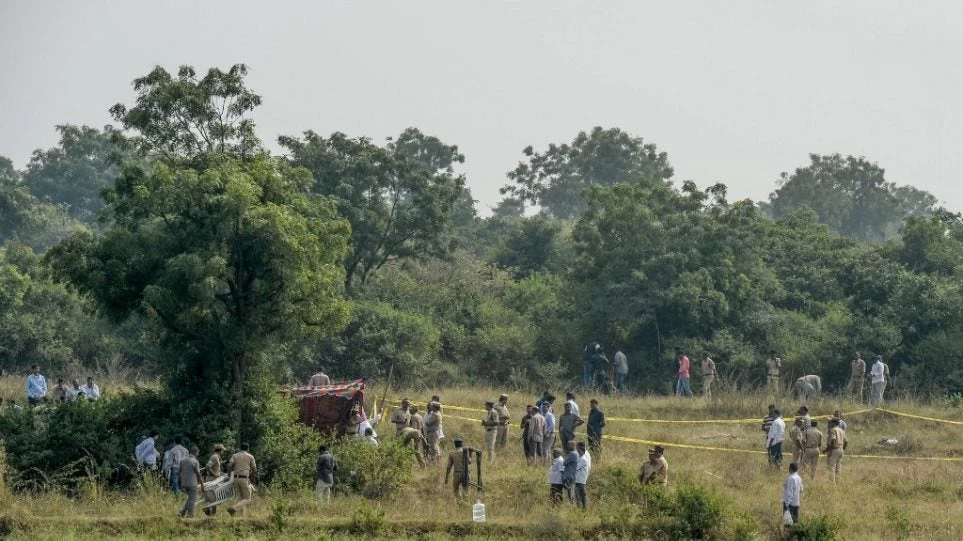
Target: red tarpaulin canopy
[[326, 407]]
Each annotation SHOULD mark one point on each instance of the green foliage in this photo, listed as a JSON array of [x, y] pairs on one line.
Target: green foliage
[[899, 521], [699, 511], [185, 118], [24, 218], [371, 471], [556, 178], [368, 521], [850, 195], [816, 528], [399, 199], [286, 449], [73, 174]]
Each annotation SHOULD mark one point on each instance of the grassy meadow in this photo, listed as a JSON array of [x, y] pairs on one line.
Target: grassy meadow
[[877, 498]]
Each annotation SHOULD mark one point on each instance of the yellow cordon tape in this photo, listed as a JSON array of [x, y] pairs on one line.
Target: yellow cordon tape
[[921, 417], [664, 421]]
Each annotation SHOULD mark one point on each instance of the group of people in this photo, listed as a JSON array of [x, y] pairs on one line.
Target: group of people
[[805, 441], [182, 470], [600, 373], [37, 392]]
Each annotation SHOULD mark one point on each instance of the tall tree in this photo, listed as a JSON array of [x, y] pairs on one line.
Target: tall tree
[[556, 178], [222, 248], [850, 195], [181, 118], [25, 219], [399, 199], [74, 173]]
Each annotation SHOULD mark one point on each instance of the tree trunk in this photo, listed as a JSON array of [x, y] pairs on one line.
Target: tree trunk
[[239, 369]]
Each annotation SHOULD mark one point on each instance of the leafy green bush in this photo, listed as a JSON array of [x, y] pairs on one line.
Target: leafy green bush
[[698, 510], [367, 521], [373, 471], [816, 528]]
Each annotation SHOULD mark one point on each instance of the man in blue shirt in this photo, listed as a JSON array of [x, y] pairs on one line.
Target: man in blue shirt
[[36, 386]]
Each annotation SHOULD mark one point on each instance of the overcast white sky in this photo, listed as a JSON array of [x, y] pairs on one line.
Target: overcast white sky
[[735, 92]]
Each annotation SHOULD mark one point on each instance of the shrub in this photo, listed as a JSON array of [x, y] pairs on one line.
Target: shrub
[[698, 510], [286, 450], [816, 528], [900, 522], [619, 485], [367, 521], [372, 471]]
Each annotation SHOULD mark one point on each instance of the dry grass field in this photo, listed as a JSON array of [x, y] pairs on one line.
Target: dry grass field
[[887, 493]]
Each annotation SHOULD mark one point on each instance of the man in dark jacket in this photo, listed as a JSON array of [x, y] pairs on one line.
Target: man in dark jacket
[[326, 467]]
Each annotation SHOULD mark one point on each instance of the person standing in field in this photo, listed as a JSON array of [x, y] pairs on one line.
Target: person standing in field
[[567, 424], [655, 469], [490, 422], [803, 413], [796, 440], [536, 435], [768, 419], [835, 448], [879, 375], [400, 417], [91, 389], [570, 470], [146, 452], [36, 386], [555, 476], [550, 428], [172, 460], [433, 431], [189, 471], [214, 470], [857, 377], [325, 469], [244, 466], [682, 385], [600, 366], [708, 376], [458, 461], [587, 352], [570, 400], [526, 450], [582, 472], [596, 422], [60, 391], [415, 420], [504, 417], [777, 433], [773, 364], [320, 379], [792, 489], [621, 369], [812, 441]]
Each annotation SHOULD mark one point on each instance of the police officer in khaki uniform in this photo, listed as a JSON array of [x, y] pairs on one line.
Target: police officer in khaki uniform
[[458, 461], [773, 364], [433, 431], [400, 416], [656, 469], [244, 467], [417, 439], [415, 420], [503, 418], [352, 422], [857, 377], [490, 422], [812, 441], [796, 440], [835, 448], [708, 376]]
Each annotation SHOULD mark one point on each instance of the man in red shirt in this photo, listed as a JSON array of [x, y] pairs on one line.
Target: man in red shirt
[[682, 385]]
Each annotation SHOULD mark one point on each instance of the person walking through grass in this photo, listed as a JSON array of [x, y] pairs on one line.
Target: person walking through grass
[[682, 387], [244, 466], [550, 428], [567, 424], [621, 369], [708, 376], [536, 436], [835, 448], [879, 375], [812, 441], [857, 377], [792, 489], [777, 433], [189, 472]]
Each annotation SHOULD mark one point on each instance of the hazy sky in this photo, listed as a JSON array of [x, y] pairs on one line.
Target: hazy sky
[[735, 92]]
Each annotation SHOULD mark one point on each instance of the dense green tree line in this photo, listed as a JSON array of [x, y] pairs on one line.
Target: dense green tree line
[[176, 243]]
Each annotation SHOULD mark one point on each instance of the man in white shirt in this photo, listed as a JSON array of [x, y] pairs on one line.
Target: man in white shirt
[[792, 488], [777, 433], [75, 389], [146, 452], [91, 390], [555, 476], [570, 399], [36, 386], [582, 474], [878, 376]]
